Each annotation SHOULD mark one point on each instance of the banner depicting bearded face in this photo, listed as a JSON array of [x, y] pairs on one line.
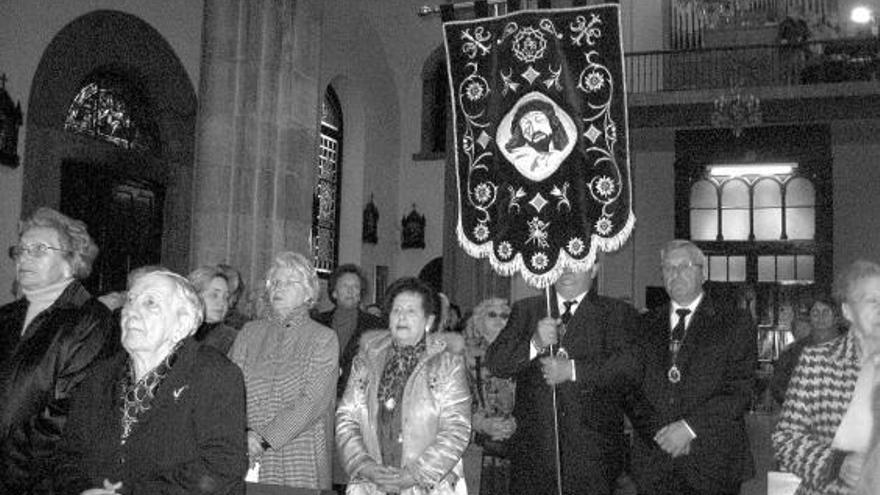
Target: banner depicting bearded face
[[541, 150]]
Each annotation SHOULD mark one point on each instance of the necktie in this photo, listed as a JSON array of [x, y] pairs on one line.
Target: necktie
[[678, 330], [678, 333], [567, 314]]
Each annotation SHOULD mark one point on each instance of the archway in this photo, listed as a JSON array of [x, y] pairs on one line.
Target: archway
[[128, 46]]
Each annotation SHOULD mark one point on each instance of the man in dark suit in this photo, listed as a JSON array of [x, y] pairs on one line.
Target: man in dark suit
[[699, 359], [346, 287], [588, 361]]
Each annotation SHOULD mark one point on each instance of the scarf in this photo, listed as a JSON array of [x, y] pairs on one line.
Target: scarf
[[137, 395], [399, 366]]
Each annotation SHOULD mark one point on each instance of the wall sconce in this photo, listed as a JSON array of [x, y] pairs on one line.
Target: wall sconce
[[413, 233], [370, 231], [10, 121]]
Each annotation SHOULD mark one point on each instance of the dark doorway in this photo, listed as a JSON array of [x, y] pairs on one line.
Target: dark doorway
[[123, 215]]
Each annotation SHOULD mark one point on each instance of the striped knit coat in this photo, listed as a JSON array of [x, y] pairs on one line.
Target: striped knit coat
[[818, 396], [290, 371]]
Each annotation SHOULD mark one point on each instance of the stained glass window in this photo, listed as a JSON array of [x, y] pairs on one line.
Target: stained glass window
[[325, 207], [108, 107]]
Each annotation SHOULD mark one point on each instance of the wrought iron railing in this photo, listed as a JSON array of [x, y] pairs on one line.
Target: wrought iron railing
[[827, 61]]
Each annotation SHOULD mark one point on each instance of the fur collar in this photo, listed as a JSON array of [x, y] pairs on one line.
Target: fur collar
[[378, 340]]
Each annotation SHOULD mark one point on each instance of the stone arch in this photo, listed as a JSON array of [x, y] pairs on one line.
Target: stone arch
[[354, 149], [110, 39], [435, 105]]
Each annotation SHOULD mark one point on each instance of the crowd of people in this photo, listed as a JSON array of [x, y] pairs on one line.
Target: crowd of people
[[168, 387]]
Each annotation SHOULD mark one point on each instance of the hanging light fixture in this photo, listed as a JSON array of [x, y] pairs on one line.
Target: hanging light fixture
[[713, 12], [735, 110]]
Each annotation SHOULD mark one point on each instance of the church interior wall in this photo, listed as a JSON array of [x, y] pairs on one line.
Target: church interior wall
[[28, 27], [855, 148], [354, 62], [373, 54]]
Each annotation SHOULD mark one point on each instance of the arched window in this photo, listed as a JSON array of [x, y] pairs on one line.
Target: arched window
[[765, 219], [328, 183], [109, 107], [435, 102]]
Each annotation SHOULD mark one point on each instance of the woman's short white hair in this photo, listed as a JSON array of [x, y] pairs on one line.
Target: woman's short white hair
[[301, 265]]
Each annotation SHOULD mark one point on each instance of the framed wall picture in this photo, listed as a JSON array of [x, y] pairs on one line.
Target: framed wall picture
[[380, 283]]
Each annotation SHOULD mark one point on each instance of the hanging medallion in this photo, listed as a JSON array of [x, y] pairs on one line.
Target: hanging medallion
[[674, 374]]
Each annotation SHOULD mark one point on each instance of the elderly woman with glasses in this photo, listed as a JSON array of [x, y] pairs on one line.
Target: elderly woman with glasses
[[493, 400], [290, 366], [404, 420], [165, 416], [213, 287], [48, 340]]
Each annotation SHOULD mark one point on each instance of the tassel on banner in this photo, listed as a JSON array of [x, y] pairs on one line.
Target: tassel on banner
[[481, 9]]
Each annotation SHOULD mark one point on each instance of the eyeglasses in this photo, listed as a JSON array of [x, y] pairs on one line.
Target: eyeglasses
[[492, 314], [680, 267], [281, 284], [37, 250]]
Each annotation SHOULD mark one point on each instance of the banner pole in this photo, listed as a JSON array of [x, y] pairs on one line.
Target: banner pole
[[555, 414]]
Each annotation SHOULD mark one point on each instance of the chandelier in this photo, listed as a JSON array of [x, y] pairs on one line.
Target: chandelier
[[713, 12], [735, 110]]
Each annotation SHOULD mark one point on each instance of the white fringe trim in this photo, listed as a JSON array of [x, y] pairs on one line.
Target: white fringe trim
[[564, 261]]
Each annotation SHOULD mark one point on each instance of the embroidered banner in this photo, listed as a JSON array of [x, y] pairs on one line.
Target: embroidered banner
[[541, 153]]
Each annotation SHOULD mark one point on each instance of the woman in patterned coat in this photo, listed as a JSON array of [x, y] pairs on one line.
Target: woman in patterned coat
[[404, 419], [821, 390], [290, 366]]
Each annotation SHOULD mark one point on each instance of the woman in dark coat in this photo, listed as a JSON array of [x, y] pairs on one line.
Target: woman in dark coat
[[214, 289], [48, 340], [167, 416]]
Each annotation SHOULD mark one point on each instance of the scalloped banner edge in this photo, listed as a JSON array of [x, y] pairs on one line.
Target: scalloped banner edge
[[563, 261]]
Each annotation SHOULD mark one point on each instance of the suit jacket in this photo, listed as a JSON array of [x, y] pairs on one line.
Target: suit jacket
[[365, 321], [38, 371], [192, 439], [717, 360], [590, 410]]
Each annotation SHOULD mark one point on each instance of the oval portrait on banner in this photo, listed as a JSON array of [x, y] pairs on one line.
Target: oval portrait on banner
[[536, 136]]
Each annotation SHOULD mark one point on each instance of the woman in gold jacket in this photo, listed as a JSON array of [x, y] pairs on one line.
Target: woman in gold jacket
[[404, 419]]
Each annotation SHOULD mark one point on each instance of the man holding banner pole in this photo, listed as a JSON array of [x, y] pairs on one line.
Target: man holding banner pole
[[542, 171], [590, 370]]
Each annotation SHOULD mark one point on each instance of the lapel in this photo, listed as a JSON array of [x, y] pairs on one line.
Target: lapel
[[173, 391], [699, 332], [74, 295], [583, 325], [658, 332], [12, 323]]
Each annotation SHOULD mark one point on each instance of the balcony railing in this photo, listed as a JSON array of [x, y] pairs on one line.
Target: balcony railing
[[828, 61]]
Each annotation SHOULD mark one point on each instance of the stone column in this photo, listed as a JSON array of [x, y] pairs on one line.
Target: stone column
[[257, 132]]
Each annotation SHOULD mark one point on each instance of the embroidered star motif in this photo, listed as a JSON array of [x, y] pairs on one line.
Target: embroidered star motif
[[531, 74]]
